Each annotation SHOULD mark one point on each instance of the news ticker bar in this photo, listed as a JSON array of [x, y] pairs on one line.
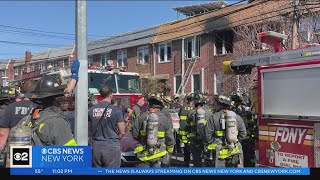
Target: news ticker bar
[[160, 171]]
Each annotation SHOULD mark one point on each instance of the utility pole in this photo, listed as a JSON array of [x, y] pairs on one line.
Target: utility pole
[[295, 25], [81, 123]]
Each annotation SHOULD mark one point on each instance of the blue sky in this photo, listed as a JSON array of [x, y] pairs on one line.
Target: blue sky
[[104, 18]]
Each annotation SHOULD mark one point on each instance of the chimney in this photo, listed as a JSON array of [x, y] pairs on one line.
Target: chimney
[[28, 57]]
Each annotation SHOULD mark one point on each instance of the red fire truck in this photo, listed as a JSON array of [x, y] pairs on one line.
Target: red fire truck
[[125, 85], [288, 103]]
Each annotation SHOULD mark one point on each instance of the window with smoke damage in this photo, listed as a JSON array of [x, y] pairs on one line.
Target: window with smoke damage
[[223, 43]]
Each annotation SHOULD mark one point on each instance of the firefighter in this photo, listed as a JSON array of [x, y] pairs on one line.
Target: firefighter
[[5, 99], [223, 136], [197, 119], [240, 108], [178, 102], [163, 110], [13, 113], [54, 129], [183, 130], [167, 101], [155, 136], [137, 109], [107, 129]]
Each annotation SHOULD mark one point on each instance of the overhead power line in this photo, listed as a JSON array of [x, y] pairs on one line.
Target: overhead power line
[[41, 31], [31, 44], [34, 34]]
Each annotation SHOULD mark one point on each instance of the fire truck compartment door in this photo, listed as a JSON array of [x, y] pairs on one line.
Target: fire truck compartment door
[[291, 91]]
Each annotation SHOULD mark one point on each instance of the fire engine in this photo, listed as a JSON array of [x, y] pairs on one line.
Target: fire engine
[[288, 103], [125, 85]]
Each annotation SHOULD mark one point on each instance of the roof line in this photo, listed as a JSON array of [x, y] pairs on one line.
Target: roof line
[[125, 34]]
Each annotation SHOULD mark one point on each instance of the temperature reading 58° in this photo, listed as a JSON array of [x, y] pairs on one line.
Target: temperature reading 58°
[[38, 171]]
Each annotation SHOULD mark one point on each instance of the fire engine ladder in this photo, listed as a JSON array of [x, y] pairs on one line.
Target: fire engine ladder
[[291, 56], [187, 74]]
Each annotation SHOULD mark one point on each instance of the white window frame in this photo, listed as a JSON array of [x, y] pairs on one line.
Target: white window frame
[[32, 67], [192, 82], [55, 64], [121, 56], [106, 58], [63, 64], [224, 51], [90, 60], [21, 70], [175, 82], [16, 71], [215, 83], [165, 52], [42, 66], [193, 39], [143, 50], [223, 45]]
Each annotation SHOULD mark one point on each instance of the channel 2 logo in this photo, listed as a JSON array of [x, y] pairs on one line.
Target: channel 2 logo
[[21, 156]]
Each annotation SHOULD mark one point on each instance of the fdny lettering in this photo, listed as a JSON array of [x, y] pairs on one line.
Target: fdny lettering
[[97, 112], [290, 135], [22, 110]]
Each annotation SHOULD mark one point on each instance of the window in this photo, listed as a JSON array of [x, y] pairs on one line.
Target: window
[[32, 67], [223, 42], [16, 71], [65, 62], [55, 64], [42, 67], [3, 73], [128, 83], [122, 58], [218, 83], [192, 47], [21, 70], [165, 52], [90, 60], [143, 55], [97, 80], [196, 83], [177, 83], [104, 59]]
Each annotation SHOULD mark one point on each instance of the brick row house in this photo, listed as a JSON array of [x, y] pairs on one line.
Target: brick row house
[[168, 52]]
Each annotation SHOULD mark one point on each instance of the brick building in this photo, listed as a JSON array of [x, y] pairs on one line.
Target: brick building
[[197, 44]]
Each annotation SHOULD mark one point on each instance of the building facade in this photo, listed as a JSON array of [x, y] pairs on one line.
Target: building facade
[[187, 54]]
